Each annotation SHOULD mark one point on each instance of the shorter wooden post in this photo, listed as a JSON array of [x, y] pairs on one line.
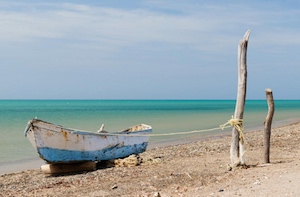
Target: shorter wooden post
[[268, 123]]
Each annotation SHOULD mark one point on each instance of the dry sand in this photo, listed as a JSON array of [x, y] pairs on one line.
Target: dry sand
[[193, 169]]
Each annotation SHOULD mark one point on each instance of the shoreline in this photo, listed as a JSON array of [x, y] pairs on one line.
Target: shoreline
[[192, 169], [34, 164]]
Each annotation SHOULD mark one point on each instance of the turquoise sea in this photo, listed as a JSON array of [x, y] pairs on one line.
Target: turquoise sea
[[165, 116]]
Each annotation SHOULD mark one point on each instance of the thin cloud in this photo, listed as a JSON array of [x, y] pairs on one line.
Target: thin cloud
[[121, 27], [165, 39]]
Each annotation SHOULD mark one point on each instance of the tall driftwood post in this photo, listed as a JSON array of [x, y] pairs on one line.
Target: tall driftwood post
[[268, 123], [237, 142]]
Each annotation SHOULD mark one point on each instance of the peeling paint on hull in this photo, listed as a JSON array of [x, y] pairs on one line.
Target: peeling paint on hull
[[56, 144], [52, 155]]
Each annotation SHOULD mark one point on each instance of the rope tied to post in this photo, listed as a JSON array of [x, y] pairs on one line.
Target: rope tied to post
[[237, 124]]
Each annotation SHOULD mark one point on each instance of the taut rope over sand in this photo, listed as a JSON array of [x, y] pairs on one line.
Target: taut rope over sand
[[237, 123], [168, 134]]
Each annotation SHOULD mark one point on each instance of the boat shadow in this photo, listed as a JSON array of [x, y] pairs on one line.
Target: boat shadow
[[56, 170]]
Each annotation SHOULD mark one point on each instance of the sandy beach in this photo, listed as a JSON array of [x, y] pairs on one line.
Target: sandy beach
[[192, 169]]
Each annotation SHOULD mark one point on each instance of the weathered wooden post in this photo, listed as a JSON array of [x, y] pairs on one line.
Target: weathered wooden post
[[237, 142], [268, 123]]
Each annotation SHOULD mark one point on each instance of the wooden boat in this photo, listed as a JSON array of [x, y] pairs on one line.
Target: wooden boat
[[56, 144]]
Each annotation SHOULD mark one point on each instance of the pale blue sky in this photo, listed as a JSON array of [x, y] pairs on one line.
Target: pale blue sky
[[169, 49]]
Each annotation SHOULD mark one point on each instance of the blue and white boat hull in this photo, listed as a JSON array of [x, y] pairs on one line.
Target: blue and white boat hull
[[56, 144]]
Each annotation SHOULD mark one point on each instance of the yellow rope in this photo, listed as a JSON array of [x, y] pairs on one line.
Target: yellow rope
[[237, 124], [167, 134]]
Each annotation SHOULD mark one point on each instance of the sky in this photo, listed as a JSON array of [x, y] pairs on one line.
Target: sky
[[169, 49]]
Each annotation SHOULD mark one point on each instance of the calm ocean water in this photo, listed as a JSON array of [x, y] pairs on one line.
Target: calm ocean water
[[165, 116]]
